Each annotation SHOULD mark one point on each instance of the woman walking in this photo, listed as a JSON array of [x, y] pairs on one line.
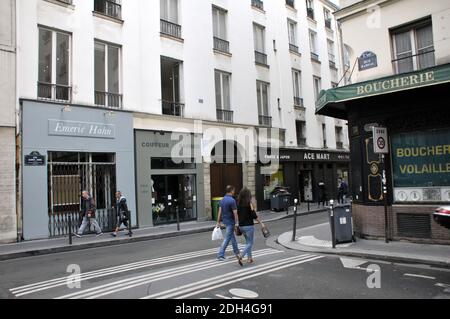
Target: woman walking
[[247, 215]]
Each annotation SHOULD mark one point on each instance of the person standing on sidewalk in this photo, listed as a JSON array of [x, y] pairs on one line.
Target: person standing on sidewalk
[[121, 209], [87, 205], [228, 213], [247, 214], [342, 191]]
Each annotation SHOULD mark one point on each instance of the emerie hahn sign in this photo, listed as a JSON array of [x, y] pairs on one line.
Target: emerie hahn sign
[[81, 129]]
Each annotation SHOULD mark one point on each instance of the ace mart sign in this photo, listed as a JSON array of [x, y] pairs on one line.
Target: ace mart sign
[[380, 140]]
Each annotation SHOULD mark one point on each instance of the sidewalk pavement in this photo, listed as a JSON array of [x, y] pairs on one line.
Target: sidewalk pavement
[[61, 244], [317, 239]]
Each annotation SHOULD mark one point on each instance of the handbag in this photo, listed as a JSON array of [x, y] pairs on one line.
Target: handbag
[[265, 232], [238, 231]]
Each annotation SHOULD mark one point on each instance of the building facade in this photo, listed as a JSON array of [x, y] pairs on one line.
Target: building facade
[[215, 71], [8, 212], [400, 82]]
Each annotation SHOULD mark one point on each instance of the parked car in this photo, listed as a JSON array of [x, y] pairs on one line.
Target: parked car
[[442, 216]]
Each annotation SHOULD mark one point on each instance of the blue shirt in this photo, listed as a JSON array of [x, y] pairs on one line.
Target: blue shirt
[[228, 204]]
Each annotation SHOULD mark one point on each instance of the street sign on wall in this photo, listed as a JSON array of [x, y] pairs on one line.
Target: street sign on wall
[[380, 140], [368, 60]]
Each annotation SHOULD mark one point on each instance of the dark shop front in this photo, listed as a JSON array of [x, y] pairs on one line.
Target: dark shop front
[[414, 109], [302, 171]]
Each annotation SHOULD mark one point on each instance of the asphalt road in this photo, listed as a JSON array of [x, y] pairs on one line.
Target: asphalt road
[[186, 268]]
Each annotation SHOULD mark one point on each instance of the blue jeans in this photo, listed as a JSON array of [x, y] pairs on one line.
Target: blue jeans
[[249, 234], [229, 236]]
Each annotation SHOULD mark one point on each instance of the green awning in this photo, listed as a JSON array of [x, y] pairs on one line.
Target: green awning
[[331, 102]]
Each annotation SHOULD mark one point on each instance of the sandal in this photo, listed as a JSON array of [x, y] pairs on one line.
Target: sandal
[[250, 261], [239, 258]]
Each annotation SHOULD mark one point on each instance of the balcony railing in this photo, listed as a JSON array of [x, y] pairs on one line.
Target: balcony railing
[[310, 13], [339, 145], [290, 3], [423, 60], [301, 141], [109, 8], [260, 58], [221, 45], [328, 23], [314, 56], [258, 4], [225, 116], [293, 47], [173, 108], [265, 120], [108, 100], [298, 102], [171, 29], [54, 92]]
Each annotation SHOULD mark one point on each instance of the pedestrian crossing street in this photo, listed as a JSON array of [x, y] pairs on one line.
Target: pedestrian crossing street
[[181, 276]]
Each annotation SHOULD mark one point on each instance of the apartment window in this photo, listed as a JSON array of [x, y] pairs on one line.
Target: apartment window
[[220, 30], [223, 100], [317, 87], [324, 135], [292, 33], [313, 45], [259, 34], [107, 75], [339, 137], [310, 9], [169, 18], [54, 65], [331, 53], [112, 8], [262, 91], [290, 3], [301, 132], [327, 17], [413, 47], [258, 4], [172, 87], [297, 80]]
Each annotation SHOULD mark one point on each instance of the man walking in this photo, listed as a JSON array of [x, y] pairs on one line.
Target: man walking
[[342, 191], [228, 213], [87, 206], [121, 208]]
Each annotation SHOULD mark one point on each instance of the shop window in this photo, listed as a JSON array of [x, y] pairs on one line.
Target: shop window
[[272, 179]]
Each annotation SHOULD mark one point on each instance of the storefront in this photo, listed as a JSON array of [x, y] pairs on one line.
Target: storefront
[[414, 109], [310, 175], [169, 178], [69, 149]]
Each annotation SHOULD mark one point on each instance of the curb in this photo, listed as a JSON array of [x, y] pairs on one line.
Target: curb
[[393, 259], [79, 247]]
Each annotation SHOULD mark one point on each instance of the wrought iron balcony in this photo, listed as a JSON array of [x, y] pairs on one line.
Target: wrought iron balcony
[[314, 56], [293, 47], [298, 102], [173, 108], [54, 92], [310, 13], [260, 58], [108, 100], [258, 4], [265, 120], [109, 8], [225, 116], [221, 45], [172, 29]]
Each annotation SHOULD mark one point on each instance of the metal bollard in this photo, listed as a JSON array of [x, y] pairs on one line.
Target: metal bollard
[[294, 232], [333, 230], [178, 218], [70, 230]]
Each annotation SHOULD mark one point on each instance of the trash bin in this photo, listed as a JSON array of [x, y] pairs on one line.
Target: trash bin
[[280, 199], [215, 207], [343, 224]]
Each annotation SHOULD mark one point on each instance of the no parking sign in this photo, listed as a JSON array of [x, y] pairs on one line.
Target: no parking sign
[[380, 140]]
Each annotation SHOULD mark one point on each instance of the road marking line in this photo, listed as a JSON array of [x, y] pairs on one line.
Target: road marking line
[[420, 276], [45, 285], [442, 285], [223, 297], [179, 290], [226, 283], [132, 282]]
